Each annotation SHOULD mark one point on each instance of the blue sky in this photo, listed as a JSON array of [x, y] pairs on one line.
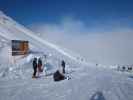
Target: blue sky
[[99, 30], [51, 11]]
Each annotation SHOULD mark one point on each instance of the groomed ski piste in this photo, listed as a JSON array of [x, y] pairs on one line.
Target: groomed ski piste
[[88, 81]]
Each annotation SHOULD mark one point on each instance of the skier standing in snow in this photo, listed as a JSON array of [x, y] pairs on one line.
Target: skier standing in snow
[[63, 64], [34, 67], [39, 66]]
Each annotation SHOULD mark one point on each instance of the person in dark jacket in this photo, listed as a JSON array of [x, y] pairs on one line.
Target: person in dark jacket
[[58, 76], [34, 67], [63, 64]]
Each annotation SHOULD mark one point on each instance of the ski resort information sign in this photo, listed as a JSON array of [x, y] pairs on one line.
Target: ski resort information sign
[[19, 47]]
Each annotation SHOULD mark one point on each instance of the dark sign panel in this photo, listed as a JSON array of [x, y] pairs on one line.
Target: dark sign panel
[[19, 47]]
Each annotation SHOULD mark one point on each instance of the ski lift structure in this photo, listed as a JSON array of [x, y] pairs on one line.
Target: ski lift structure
[[19, 49]]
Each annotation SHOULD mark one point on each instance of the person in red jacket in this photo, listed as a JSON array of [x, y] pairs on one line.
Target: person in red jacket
[[40, 65]]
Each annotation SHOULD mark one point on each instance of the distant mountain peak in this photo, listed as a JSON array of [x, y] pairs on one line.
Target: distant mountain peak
[[3, 15], [4, 19]]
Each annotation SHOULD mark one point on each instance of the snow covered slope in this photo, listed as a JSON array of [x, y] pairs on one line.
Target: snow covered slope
[[12, 30], [87, 82]]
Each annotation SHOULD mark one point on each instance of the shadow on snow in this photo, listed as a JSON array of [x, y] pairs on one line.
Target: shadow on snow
[[97, 96]]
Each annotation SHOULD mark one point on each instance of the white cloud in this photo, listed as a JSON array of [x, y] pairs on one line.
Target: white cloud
[[106, 44]]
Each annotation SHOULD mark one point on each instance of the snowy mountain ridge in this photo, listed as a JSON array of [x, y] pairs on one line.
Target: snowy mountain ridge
[[12, 30]]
